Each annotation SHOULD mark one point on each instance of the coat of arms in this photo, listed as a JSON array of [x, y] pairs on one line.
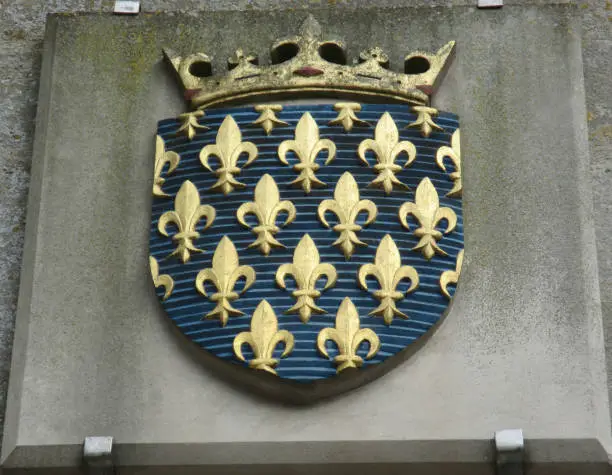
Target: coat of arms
[[311, 241]]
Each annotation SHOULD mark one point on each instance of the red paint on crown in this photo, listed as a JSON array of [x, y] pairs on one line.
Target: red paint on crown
[[308, 71]]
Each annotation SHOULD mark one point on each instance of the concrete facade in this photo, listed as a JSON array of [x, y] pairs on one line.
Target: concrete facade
[[21, 58]]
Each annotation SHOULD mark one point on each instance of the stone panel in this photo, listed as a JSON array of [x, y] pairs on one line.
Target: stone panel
[[521, 347]]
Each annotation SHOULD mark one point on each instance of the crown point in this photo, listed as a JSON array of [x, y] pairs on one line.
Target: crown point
[[310, 27], [172, 58]]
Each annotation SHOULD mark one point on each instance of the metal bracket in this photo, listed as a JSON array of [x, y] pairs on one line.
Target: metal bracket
[[98, 455], [490, 3], [127, 7], [509, 451]]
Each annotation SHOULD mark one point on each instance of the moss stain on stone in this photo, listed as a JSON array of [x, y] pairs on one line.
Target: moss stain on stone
[[15, 35], [603, 132]]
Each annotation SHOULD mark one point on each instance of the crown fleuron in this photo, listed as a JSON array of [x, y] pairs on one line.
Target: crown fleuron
[[307, 65]]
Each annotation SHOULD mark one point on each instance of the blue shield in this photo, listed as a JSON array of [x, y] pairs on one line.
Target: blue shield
[[311, 243]]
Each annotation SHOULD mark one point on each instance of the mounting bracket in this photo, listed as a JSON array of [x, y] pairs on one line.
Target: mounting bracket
[[127, 7], [509, 451], [98, 455], [490, 3]]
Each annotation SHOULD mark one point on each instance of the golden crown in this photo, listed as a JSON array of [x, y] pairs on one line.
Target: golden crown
[[307, 65]]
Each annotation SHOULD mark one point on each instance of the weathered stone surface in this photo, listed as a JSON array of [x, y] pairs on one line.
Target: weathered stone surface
[[522, 347], [22, 25], [597, 51]]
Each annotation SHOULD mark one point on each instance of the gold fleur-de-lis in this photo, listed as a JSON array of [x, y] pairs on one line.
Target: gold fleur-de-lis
[[454, 153], [224, 275], [451, 276], [346, 115], [266, 207], [263, 339], [306, 270], [189, 123], [347, 206], [161, 158], [386, 147], [426, 210], [307, 147], [187, 212], [228, 149], [267, 119], [389, 272], [424, 120], [348, 336], [163, 280]]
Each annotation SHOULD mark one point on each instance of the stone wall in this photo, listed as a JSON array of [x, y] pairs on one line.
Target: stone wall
[[21, 34]]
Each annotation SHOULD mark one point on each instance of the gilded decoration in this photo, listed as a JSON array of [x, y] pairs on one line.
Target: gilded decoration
[[346, 205], [386, 147], [186, 214], [266, 208], [292, 222], [348, 336], [427, 211], [163, 280], [162, 158], [389, 272], [267, 119], [424, 120], [307, 146], [306, 269], [228, 149], [241, 60], [189, 124], [263, 339], [373, 60], [306, 64], [451, 276], [347, 116], [454, 154], [224, 275]]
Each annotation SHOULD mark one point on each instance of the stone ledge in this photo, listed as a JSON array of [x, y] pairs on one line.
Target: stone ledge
[[427, 457]]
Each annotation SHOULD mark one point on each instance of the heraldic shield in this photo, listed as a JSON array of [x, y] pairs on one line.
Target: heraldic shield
[[308, 242]]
